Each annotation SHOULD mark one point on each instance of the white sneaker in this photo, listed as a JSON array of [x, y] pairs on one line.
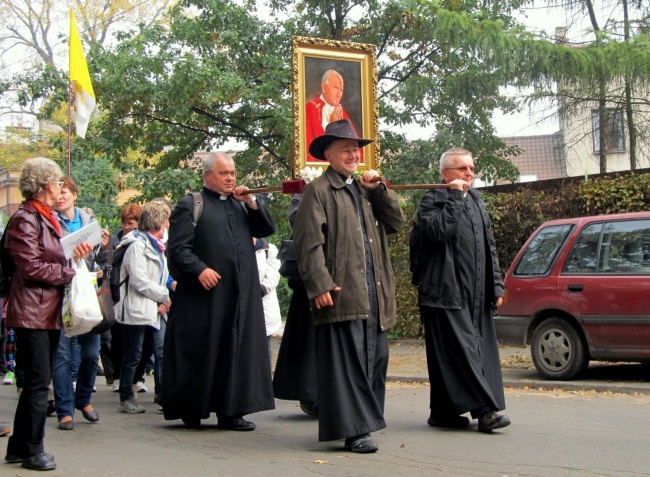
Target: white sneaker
[[116, 386], [141, 387]]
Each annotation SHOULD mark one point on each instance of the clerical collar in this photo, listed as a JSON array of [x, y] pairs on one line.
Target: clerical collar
[[344, 178], [223, 197]]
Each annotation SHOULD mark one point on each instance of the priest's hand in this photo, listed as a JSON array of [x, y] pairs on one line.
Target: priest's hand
[[366, 179], [241, 194], [459, 184], [209, 278], [325, 299]]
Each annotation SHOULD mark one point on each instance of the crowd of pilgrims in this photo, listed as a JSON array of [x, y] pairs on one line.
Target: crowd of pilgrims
[[198, 305]]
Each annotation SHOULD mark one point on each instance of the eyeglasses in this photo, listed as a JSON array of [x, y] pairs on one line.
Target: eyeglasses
[[462, 169], [58, 183]]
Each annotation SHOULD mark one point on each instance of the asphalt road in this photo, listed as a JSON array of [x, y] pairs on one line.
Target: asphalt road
[[554, 433], [592, 428]]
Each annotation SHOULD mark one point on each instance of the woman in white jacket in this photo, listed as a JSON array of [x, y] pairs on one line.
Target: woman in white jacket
[[144, 296], [268, 266]]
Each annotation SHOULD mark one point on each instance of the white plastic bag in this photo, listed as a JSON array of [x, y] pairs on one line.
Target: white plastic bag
[[81, 311]]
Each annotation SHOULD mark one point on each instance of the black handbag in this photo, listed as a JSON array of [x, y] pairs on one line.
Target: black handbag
[[105, 298], [288, 262]]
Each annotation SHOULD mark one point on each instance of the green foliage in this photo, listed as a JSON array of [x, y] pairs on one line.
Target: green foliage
[[408, 314], [96, 180], [606, 195]]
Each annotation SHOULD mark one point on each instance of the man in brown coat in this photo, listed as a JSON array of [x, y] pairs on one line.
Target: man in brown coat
[[342, 249]]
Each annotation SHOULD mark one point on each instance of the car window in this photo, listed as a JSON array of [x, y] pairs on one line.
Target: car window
[[584, 256], [625, 248], [542, 250]]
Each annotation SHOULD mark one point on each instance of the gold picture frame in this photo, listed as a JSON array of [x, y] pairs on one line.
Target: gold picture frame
[[356, 65]]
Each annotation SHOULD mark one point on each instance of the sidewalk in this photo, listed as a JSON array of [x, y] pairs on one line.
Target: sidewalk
[[408, 363]]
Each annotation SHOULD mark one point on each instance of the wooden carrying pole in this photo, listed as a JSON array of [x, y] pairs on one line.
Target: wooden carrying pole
[[295, 187]]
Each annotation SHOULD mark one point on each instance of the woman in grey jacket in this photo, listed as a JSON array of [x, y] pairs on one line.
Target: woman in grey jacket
[[144, 297]]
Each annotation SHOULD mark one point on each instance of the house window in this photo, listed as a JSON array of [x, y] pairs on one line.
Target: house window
[[615, 132]]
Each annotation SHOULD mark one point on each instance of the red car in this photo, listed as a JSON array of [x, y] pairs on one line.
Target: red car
[[579, 290]]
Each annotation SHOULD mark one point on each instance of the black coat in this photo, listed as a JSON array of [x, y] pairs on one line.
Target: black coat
[[438, 218]]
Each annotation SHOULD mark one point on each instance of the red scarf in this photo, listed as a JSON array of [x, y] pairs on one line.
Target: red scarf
[[47, 213]]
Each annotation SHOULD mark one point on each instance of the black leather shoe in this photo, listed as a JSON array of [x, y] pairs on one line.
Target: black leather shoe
[[192, 422], [66, 425], [235, 423], [39, 462], [492, 420], [91, 416], [309, 408], [363, 444], [13, 459], [451, 422], [51, 408]]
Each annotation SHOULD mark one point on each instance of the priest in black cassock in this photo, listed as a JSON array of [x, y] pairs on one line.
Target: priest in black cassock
[[216, 357], [459, 286], [342, 250]]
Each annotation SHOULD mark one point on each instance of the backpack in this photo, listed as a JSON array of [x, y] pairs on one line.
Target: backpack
[[116, 284], [197, 207], [7, 264]]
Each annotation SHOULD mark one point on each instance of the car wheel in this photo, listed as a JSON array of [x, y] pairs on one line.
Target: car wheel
[[558, 350]]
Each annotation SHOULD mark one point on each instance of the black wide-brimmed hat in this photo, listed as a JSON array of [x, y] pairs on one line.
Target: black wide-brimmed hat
[[335, 131]]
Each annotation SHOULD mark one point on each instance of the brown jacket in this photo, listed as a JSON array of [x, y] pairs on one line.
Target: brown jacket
[[36, 290], [330, 251]]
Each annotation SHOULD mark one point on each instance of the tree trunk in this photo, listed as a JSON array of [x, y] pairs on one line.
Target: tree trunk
[[631, 126]]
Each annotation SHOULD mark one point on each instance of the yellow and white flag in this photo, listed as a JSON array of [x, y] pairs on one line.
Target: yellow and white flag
[[84, 96]]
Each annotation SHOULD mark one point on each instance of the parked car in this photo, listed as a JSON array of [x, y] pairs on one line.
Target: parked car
[[579, 290]]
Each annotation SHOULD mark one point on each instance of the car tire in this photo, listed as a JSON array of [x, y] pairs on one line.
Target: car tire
[[558, 350]]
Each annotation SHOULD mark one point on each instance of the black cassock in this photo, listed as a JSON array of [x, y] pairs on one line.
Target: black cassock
[[216, 355], [462, 347], [295, 370]]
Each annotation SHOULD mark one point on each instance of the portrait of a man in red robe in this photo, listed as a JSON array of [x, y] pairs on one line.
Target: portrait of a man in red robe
[[325, 108]]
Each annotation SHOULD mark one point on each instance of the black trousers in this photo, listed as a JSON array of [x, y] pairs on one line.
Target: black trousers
[[37, 356]]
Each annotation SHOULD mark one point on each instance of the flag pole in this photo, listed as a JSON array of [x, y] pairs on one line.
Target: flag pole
[[69, 127]]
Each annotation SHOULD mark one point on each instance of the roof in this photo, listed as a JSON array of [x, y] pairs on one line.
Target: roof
[[542, 156]]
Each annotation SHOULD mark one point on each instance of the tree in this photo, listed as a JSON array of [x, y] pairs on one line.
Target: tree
[[32, 31], [214, 73], [618, 81], [218, 73]]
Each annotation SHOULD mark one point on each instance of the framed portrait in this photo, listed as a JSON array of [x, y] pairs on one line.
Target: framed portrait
[[333, 80]]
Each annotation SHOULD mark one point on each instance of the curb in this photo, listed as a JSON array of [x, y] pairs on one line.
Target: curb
[[542, 385]]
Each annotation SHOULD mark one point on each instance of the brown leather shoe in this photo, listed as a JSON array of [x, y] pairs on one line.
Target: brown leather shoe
[[91, 415]]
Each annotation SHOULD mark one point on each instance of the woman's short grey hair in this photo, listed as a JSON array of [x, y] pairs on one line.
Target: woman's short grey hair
[[446, 158], [154, 215], [36, 175]]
